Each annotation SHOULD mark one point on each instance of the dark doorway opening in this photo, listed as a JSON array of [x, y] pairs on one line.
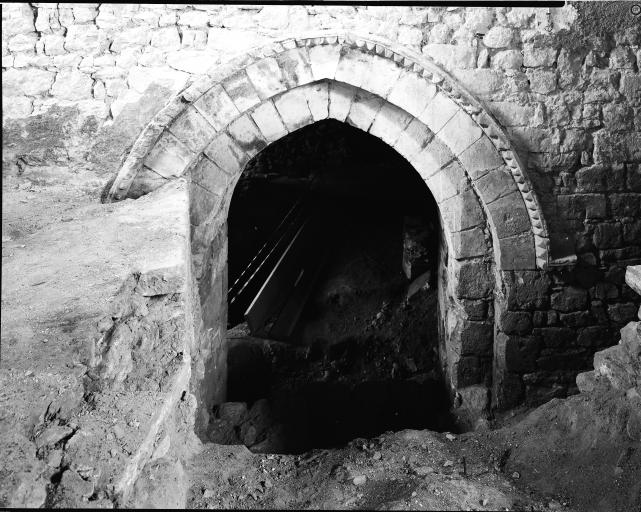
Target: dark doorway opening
[[333, 316]]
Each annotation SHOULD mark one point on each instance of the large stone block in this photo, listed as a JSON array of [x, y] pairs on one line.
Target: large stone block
[[448, 182], [324, 61], [495, 184], [72, 85], [481, 157], [317, 96], [460, 132], [247, 135], [527, 289], [17, 19], [340, 99], [438, 112], [217, 107], [267, 78], [413, 139], [241, 91], [31, 82], [498, 37], [462, 211], [382, 75], [389, 123], [477, 338], [473, 279], [293, 109], [363, 109], [166, 38], [202, 204], [412, 93], [209, 176], [193, 129], [469, 243], [582, 206], [433, 157], [169, 157], [295, 66], [509, 215], [226, 154], [352, 67], [517, 252], [269, 122]]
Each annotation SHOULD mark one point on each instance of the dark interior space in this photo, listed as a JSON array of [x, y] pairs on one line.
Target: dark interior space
[[332, 296]]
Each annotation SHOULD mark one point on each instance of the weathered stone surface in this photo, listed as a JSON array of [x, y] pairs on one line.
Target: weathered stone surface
[[193, 129], [498, 37], [507, 59], [269, 122], [474, 279], [28, 82], [72, 85], [293, 109], [170, 157], [217, 107]]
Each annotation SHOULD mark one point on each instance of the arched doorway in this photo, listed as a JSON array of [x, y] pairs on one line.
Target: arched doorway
[[491, 220]]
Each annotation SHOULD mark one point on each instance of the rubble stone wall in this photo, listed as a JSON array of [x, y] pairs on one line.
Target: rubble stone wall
[[80, 82]]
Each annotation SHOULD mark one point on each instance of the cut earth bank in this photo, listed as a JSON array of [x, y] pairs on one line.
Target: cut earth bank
[[70, 442]]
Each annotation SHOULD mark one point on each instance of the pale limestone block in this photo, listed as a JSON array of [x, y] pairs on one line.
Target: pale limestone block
[[86, 39], [134, 37], [318, 100], [202, 203], [269, 122], [209, 176], [226, 154], [241, 91], [140, 78], [295, 67], [414, 138], [495, 184], [23, 42], [460, 132], [191, 61], [352, 67], [247, 135], [16, 107], [23, 60], [469, 243], [166, 38], [193, 19], [266, 77], [461, 212], [293, 109], [54, 44], [438, 112], [217, 107], [152, 57], [451, 56], [193, 129], [194, 39], [169, 157], [432, 158], [389, 123], [84, 13], [99, 90], [340, 99], [7, 61], [17, 18], [106, 73], [324, 60], [72, 85], [412, 93], [507, 59], [382, 75], [363, 109], [480, 157], [498, 37], [32, 82], [47, 19], [448, 182], [509, 215]]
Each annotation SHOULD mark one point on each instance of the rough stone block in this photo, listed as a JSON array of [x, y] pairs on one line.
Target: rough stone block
[[226, 154], [438, 112], [324, 61], [209, 176], [473, 279], [432, 158], [247, 135], [583, 206], [241, 91], [515, 322], [30, 82], [476, 338], [269, 122], [412, 93], [527, 289], [217, 107], [85, 39], [413, 139], [363, 110], [145, 181], [293, 109], [498, 37], [202, 204], [451, 56], [460, 132], [340, 99], [317, 96], [295, 66], [448, 182], [382, 75], [495, 184], [72, 85], [266, 77], [507, 59], [352, 67], [468, 371], [169, 157], [468, 243], [462, 212], [389, 123], [509, 215], [193, 129], [556, 337], [166, 38], [570, 299], [517, 252]]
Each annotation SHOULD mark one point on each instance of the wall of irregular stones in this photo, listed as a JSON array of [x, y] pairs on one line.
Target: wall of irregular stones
[[81, 80]]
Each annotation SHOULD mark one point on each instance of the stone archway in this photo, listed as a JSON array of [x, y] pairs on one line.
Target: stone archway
[[490, 215]]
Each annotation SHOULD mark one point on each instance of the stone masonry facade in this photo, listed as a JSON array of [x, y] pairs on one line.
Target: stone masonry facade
[[536, 168]]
